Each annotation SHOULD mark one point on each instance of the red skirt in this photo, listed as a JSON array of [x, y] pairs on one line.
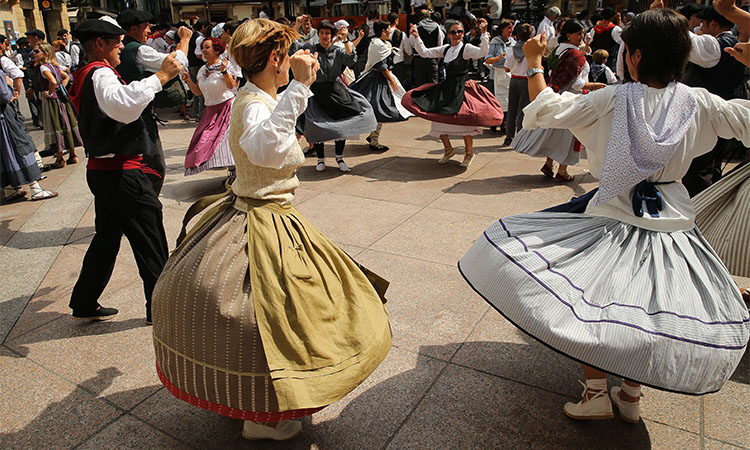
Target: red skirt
[[480, 107]]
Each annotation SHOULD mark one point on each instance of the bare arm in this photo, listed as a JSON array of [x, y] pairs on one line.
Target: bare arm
[[741, 18], [52, 81], [65, 78], [534, 49], [387, 74]]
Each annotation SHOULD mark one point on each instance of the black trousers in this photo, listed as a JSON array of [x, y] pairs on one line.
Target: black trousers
[[424, 70], [156, 160], [124, 203], [705, 170]]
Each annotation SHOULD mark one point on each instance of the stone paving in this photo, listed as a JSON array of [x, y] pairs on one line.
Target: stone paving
[[458, 376]]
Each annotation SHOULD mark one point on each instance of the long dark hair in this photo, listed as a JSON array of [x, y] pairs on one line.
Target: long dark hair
[[663, 37]]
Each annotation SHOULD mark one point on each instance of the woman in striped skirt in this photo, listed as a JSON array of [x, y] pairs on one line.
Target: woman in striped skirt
[[58, 119], [622, 280], [257, 315]]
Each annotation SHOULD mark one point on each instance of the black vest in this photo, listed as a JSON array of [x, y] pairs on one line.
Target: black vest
[[725, 78], [430, 38], [193, 60], [102, 134]]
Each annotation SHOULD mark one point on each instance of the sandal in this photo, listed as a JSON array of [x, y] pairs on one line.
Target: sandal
[[43, 195], [72, 159], [547, 171], [16, 196], [59, 164], [564, 178]]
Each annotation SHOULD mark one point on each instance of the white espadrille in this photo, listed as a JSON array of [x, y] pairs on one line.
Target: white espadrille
[[447, 156], [286, 429], [597, 407], [629, 411]]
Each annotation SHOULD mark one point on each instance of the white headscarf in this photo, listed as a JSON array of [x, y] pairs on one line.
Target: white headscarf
[[637, 149], [376, 52]]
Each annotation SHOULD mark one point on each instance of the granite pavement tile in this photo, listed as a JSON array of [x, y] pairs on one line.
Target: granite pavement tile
[[496, 346], [469, 409], [393, 185], [727, 414], [41, 410], [85, 227], [425, 162], [430, 307], [712, 444], [51, 299], [130, 433], [356, 221], [364, 419], [123, 343], [435, 235]]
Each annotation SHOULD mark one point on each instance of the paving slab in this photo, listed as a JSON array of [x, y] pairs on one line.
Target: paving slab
[[430, 307], [130, 433], [727, 413], [364, 419], [42, 410]]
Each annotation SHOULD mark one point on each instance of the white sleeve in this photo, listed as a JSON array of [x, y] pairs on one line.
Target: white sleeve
[[620, 64], [730, 118], [617, 34], [123, 103], [199, 46], [611, 78], [10, 68], [150, 60], [424, 52], [441, 35], [43, 68], [474, 52], [75, 54], [268, 136], [705, 50], [510, 61], [566, 110]]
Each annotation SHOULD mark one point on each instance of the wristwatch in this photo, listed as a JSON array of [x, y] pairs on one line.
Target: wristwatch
[[533, 71]]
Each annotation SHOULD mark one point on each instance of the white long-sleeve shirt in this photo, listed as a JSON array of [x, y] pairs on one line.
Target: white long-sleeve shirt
[[150, 60], [123, 102], [589, 118], [10, 68], [268, 136], [470, 52], [546, 27]]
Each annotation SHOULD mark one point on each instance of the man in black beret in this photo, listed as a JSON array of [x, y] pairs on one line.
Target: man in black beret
[[138, 61], [725, 78], [690, 11], [117, 141]]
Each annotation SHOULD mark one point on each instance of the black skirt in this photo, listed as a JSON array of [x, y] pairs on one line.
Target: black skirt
[[374, 87], [443, 98], [335, 100]]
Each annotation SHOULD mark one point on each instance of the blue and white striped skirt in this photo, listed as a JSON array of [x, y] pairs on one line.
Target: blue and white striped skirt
[[658, 308]]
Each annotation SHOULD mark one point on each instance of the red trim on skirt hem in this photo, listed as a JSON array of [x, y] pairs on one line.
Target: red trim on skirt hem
[[234, 413]]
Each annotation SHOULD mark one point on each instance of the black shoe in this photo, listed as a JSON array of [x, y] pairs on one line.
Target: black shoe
[[101, 313], [507, 142], [379, 147], [310, 151], [44, 168], [47, 152], [493, 129], [368, 139]]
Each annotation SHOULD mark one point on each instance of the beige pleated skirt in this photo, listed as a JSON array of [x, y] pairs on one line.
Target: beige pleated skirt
[[257, 315]]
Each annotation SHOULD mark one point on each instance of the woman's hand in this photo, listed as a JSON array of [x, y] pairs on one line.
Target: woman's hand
[[186, 78], [304, 66], [534, 48], [224, 63], [656, 4], [482, 25]]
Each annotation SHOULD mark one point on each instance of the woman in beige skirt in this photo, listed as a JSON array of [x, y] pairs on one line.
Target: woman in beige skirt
[[257, 315]]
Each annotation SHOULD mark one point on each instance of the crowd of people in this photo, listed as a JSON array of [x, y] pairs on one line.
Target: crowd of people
[[257, 315]]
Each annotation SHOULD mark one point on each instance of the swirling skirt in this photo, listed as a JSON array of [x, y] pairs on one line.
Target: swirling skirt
[[272, 336], [479, 109], [657, 308], [556, 144], [209, 147]]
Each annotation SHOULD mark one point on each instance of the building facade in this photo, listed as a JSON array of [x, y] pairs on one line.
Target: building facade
[[20, 16]]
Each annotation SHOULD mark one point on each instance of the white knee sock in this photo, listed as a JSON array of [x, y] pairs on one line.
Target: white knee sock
[[599, 384], [633, 391]]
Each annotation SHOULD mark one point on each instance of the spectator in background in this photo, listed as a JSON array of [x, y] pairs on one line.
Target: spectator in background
[[402, 52], [585, 20], [195, 62], [308, 34], [158, 42], [63, 58], [34, 88], [691, 12], [599, 72], [425, 70], [547, 26], [501, 44], [518, 89], [606, 35]]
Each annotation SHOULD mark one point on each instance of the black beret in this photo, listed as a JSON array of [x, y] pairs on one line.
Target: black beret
[[131, 17], [94, 28], [689, 9], [710, 13], [38, 33], [61, 32]]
